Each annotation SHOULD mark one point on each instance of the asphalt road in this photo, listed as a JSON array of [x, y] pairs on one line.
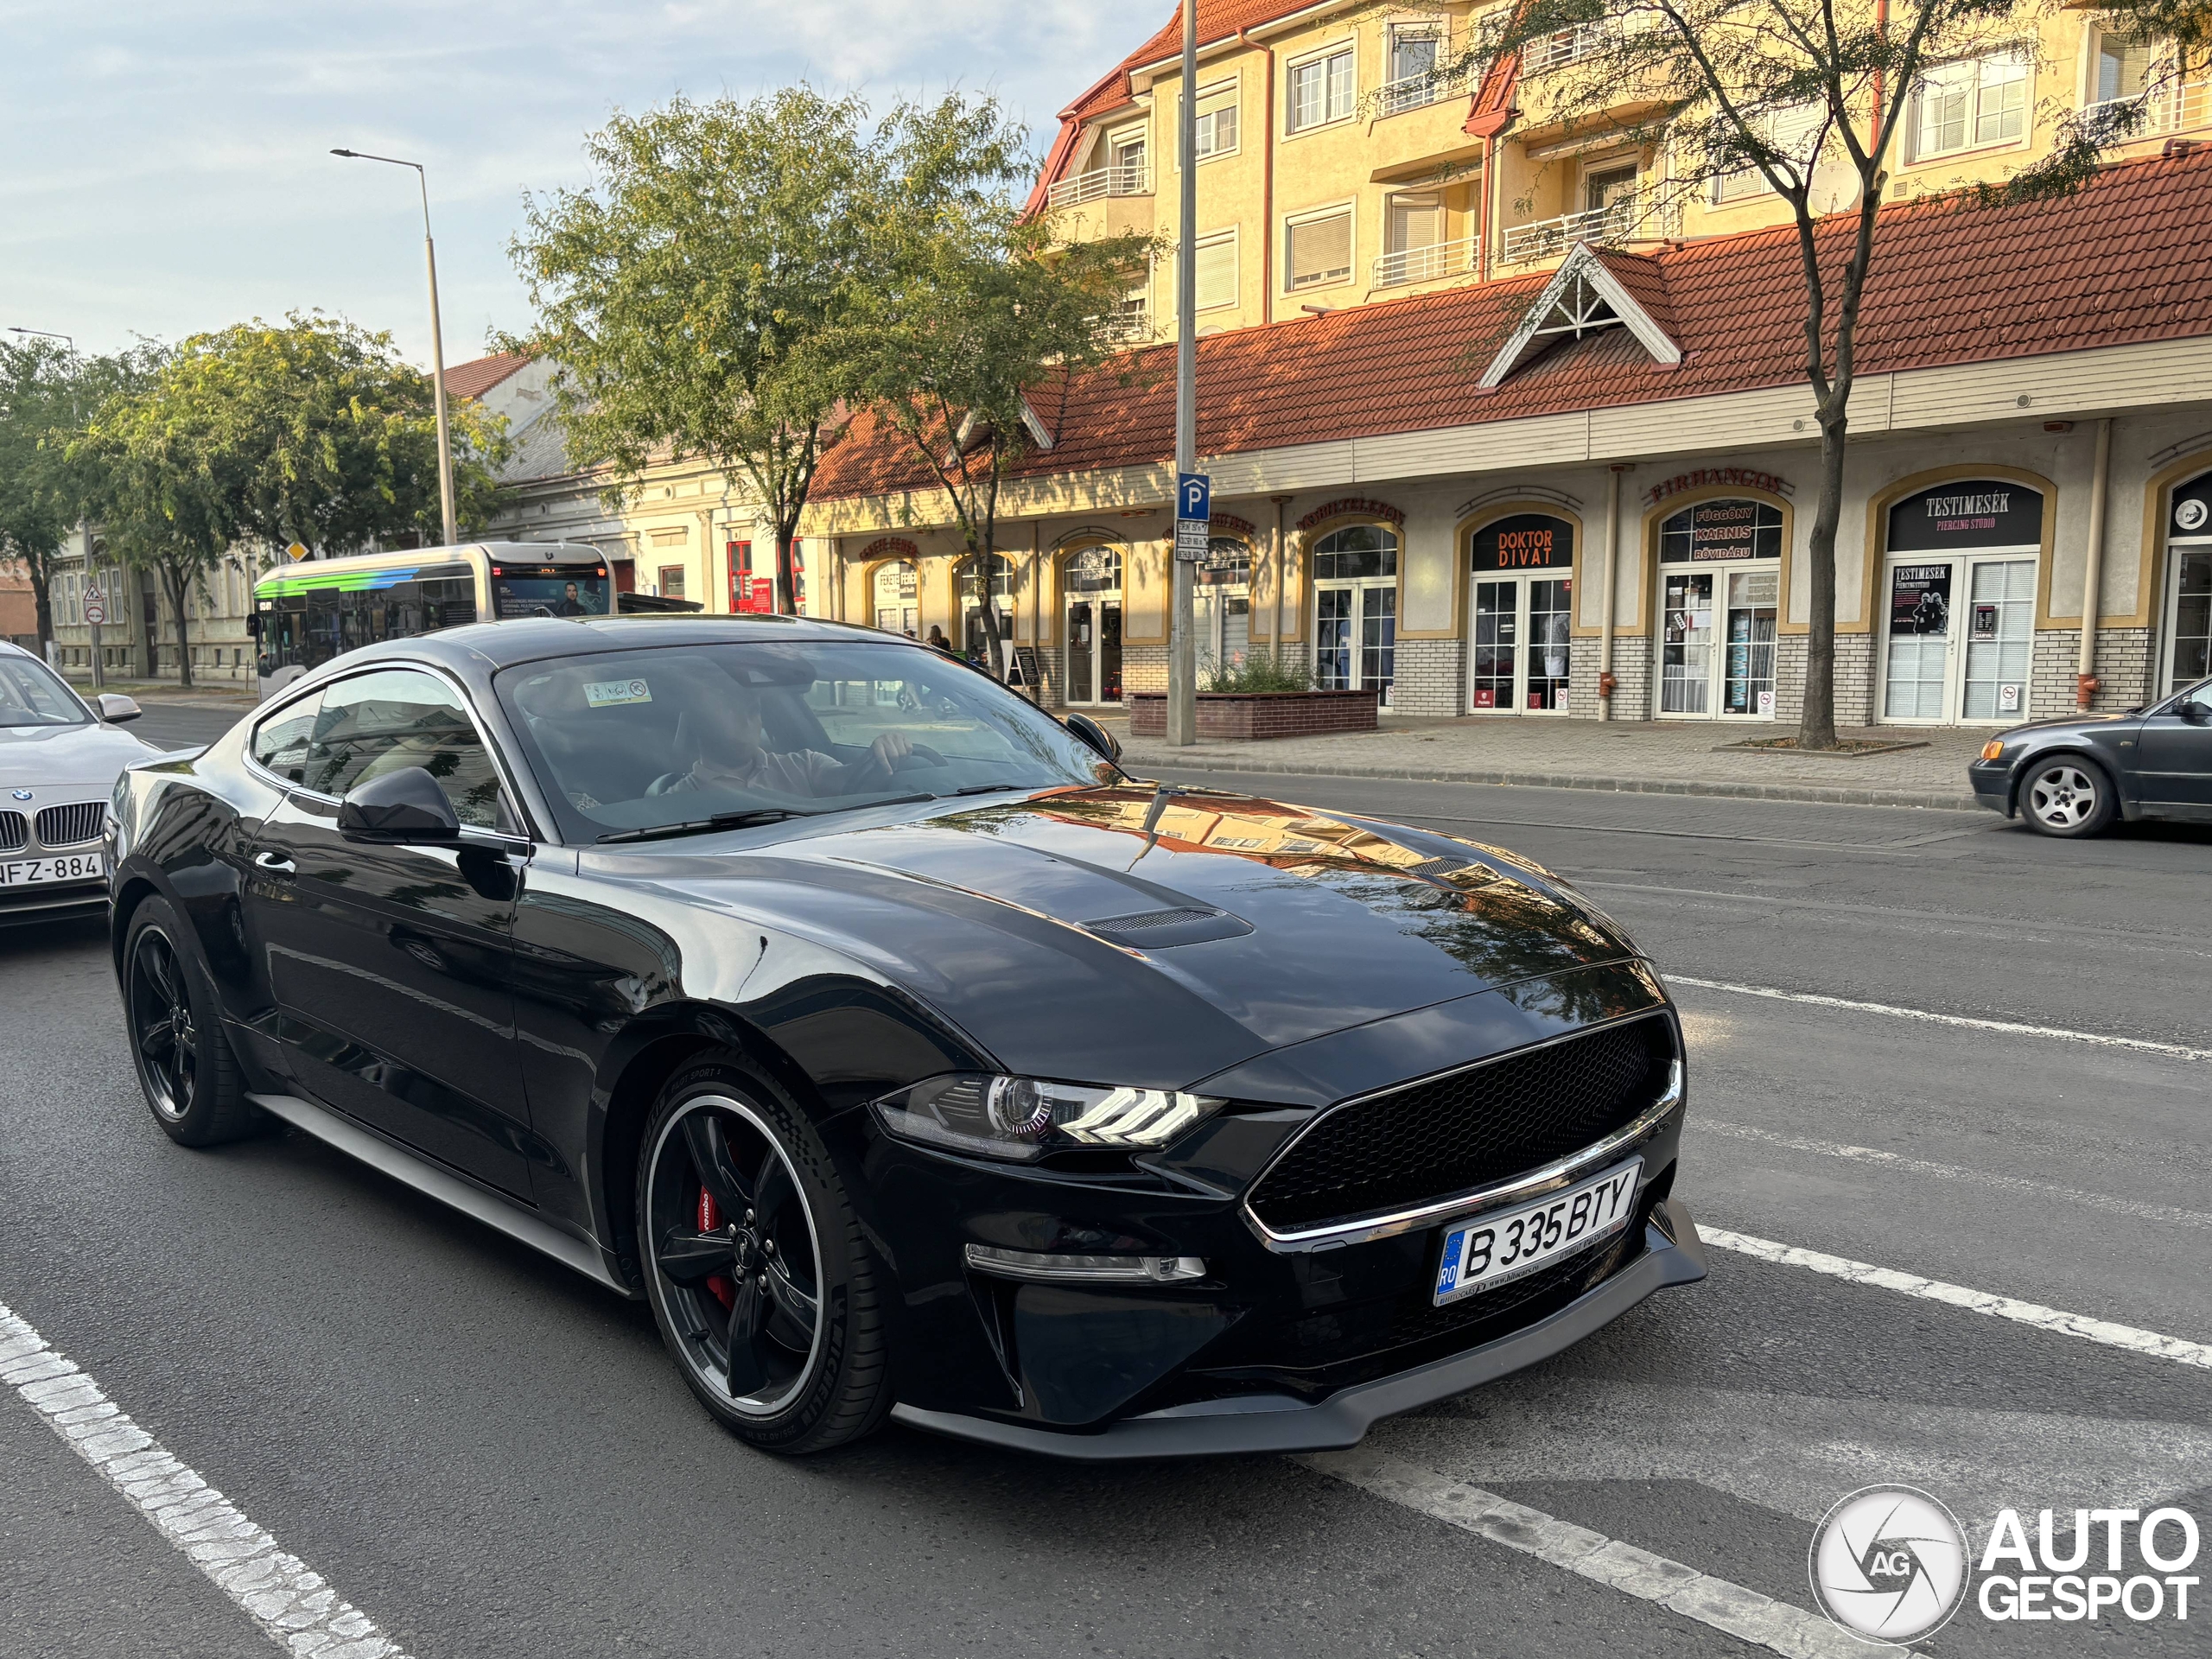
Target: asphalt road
[[484, 1454]]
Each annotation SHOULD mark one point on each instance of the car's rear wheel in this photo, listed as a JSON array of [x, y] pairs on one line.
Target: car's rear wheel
[[190, 1077], [2067, 795], [758, 1275]]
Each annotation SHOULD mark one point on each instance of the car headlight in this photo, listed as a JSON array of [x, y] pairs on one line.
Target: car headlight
[[1021, 1119], [1994, 750]]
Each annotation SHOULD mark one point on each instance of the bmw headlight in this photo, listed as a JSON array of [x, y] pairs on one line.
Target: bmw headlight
[[1021, 1119]]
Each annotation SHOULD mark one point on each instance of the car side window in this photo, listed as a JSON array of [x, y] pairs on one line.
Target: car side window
[[395, 718], [281, 742]]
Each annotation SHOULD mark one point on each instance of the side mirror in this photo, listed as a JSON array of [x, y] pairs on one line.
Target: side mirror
[[399, 809], [114, 708], [1095, 734], [2197, 710]]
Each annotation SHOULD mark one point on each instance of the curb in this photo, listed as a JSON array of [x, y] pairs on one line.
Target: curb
[[1825, 795]]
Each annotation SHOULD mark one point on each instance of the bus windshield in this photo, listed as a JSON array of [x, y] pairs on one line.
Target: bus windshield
[[548, 590]]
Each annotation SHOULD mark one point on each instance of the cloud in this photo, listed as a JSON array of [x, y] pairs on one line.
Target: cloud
[[166, 167]]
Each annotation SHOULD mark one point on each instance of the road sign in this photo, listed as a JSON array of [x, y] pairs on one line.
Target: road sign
[[1193, 515], [295, 552], [95, 613]]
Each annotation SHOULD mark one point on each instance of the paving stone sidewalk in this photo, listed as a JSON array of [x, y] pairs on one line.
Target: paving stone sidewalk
[[1647, 757]]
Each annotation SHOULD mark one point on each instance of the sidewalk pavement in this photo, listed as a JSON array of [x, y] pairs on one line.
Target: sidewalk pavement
[[220, 694], [1646, 757]]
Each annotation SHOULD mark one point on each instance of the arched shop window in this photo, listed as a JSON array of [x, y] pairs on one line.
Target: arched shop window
[[1222, 601], [1356, 609], [1091, 582], [1718, 626], [2187, 646], [897, 597], [1960, 571], [1521, 616]]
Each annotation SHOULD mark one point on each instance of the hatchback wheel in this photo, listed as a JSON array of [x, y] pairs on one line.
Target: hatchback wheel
[[755, 1265], [2067, 796], [185, 1064]]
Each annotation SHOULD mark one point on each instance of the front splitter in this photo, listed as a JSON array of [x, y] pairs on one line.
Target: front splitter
[[1673, 1254]]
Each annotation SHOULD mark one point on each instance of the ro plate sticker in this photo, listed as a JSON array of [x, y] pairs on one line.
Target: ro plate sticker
[[606, 694]]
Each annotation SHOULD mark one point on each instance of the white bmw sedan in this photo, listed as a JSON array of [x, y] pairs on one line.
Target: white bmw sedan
[[59, 757]]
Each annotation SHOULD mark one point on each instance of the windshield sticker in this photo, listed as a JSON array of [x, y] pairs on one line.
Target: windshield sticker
[[607, 694]]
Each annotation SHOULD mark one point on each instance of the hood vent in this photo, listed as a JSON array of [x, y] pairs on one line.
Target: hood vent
[[1155, 930]]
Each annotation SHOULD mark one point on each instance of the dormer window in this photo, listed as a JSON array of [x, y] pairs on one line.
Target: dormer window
[[1580, 309]]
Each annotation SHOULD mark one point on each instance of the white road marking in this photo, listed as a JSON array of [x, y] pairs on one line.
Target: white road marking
[[2179, 1349], [2140, 1045], [1745, 1614], [2164, 1212], [299, 1611]]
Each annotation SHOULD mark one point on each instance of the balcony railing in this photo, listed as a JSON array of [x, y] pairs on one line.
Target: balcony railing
[[1131, 325], [1421, 264], [1414, 93], [2172, 108], [1129, 179], [1604, 225], [1566, 46]]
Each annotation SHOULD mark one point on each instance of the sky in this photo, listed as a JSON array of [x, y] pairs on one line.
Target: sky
[[164, 170]]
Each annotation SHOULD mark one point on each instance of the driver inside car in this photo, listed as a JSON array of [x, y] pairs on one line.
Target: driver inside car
[[734, 755]]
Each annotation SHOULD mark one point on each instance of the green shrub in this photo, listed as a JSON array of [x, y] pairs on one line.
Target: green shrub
[[1254, 670]]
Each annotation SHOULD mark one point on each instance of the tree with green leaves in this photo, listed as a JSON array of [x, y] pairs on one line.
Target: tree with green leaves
[[1806, 97], [975, 321], [314, 430], [46, 392], [687, 294]]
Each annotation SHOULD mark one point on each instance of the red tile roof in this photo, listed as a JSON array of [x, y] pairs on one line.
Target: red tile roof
[[2123, 260], [474, 379]]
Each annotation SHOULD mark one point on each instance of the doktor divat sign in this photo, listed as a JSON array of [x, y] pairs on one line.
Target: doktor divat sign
[[1892, 1564]]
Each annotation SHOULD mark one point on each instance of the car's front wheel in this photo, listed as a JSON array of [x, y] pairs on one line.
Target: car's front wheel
[[756, 1267], [2067, 795]]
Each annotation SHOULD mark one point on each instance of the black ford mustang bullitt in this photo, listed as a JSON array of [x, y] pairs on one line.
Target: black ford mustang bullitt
[[912, 1058]]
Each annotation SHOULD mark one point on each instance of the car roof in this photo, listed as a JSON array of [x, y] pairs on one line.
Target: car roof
[[484, 648]]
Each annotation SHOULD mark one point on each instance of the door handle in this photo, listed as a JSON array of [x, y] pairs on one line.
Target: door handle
[[274, 864]]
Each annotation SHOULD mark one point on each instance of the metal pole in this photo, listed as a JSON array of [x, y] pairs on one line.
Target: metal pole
[[1605, 595], [2093, 566], [1182, 648], [437, 342]]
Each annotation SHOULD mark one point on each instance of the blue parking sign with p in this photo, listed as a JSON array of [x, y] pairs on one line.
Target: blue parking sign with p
[[1193, 496]]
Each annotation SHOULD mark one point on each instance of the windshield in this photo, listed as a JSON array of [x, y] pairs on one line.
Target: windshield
[[31, 696], [679, 735], [548, 590]]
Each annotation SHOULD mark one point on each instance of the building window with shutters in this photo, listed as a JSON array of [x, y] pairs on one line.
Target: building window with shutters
[[1217, 270], [1215, 123], [1317, 248], [1978, 103]]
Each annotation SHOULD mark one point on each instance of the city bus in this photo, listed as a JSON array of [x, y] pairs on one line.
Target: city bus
[[308, 612]]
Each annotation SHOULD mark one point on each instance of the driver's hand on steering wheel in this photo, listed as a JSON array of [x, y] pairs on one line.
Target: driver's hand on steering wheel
[[890, 749]]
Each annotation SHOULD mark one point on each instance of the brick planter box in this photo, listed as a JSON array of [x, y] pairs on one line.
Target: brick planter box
[[1255, 715]]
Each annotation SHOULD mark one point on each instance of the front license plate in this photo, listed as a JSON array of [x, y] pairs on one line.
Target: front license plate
[[1485, 1251], [63, 867]]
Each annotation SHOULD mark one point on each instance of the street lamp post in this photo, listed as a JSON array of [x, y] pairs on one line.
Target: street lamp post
[[1182, 649], [437, 340]]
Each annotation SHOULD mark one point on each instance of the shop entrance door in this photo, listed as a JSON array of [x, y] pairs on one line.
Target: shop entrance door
[[1521, 632], [1961, 634], [1095, 650], [2189, 611], [1355, 637]]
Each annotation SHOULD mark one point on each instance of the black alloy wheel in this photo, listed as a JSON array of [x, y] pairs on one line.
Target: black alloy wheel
[[185, 1066], [755, 1266]]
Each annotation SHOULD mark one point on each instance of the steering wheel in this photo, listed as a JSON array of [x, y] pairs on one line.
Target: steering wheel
[[921, 752]]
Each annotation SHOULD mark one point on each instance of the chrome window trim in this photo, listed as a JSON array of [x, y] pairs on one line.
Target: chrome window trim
[[1559, 1172], [507, 779]]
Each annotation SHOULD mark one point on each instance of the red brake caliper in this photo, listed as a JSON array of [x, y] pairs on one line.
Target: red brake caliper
[[710, 1220]]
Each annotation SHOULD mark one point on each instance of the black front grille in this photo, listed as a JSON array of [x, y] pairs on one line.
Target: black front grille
[[68, 826], [1473, 1128], [13, 832]]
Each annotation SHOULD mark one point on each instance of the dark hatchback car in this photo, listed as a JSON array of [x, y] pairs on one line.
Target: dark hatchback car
[[2076, 776], [911, 1059]]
